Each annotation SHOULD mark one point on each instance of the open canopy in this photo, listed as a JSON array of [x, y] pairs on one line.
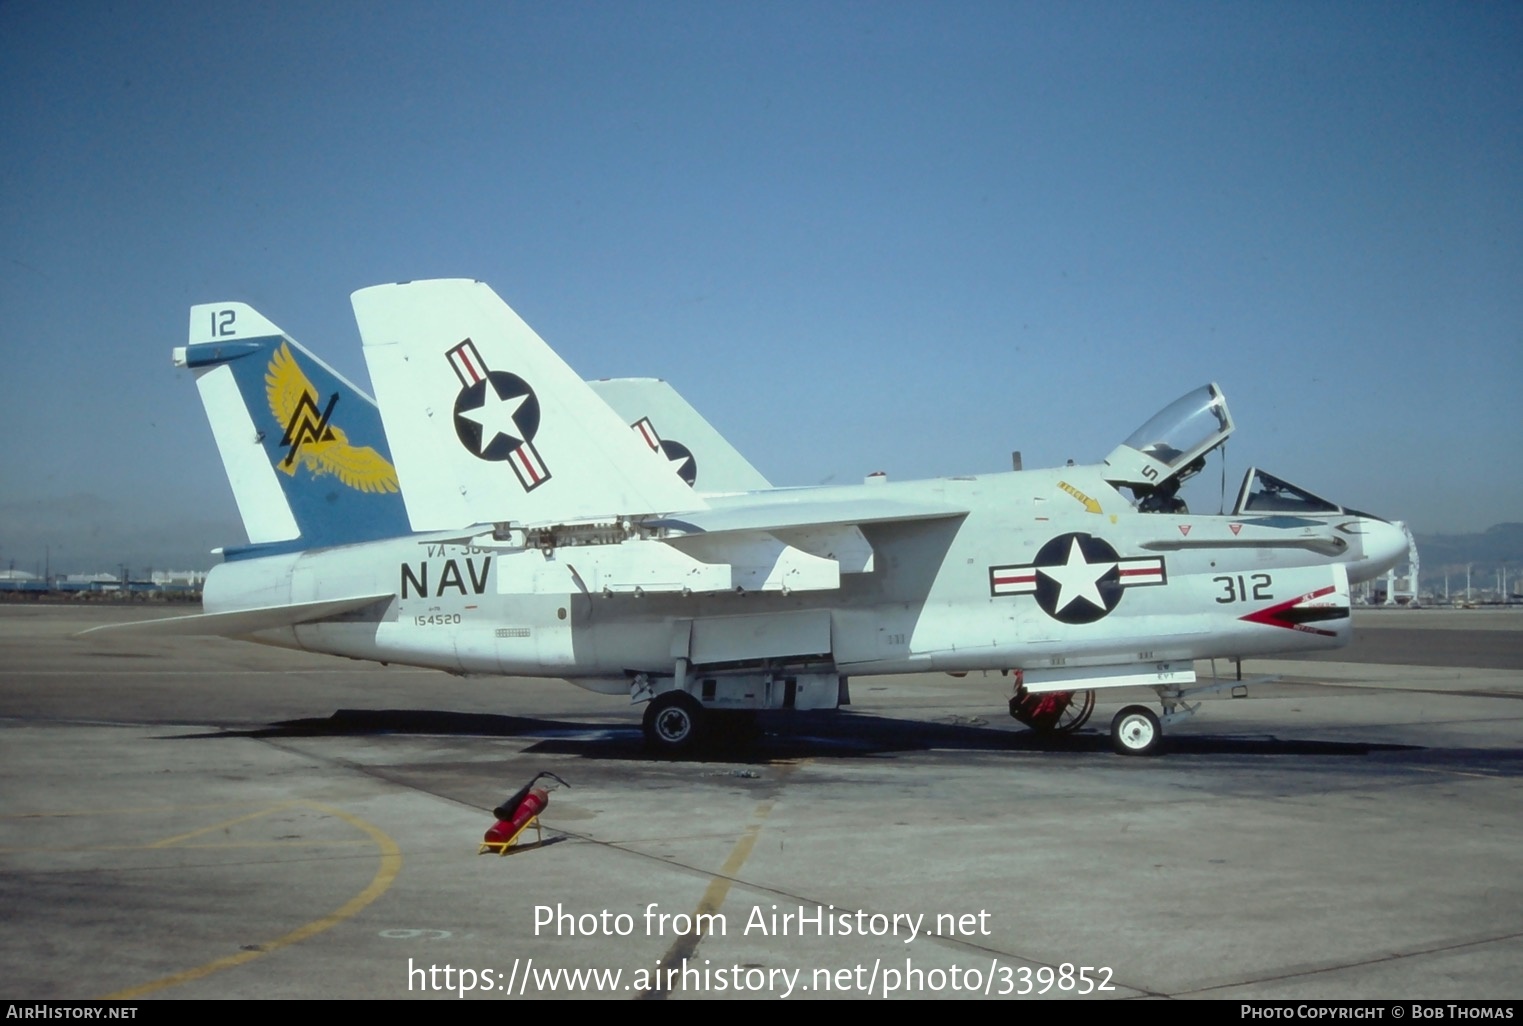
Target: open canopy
[[1171, 446]]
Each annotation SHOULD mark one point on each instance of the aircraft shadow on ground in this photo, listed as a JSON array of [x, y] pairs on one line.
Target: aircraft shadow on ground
[[774, 737]]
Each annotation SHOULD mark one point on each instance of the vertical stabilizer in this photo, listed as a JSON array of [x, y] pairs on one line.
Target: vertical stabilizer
[[489, 425], [304, 448], [692, 447]]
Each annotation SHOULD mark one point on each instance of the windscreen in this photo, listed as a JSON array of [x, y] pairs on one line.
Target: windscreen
[[1265, 493]]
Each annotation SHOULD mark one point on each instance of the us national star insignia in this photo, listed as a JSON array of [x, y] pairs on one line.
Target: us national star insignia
[[1076, 578]]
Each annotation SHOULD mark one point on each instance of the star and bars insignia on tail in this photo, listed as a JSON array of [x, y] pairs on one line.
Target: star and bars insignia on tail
[[497, 416], [678, 456], [1077, 578]]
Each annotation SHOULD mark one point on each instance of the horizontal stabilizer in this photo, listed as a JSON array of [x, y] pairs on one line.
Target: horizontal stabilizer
[[237, 622]]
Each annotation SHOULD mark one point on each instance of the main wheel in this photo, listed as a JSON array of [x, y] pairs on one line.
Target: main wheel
[[673, 722], [1053, 712], [1135, 731]]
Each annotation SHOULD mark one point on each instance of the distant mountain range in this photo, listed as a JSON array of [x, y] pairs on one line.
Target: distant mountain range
[[1499, 545]]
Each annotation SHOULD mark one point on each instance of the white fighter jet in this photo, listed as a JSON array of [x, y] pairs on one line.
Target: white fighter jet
[[544, 537]]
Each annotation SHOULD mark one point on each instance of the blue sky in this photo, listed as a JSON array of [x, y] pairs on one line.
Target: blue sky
[[907, 237]]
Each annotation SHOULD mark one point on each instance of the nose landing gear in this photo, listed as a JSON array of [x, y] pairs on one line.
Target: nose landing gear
[[1136, 731]]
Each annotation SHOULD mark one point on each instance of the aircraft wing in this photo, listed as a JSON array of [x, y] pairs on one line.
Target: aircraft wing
[[767, 544], [239, 622], [792, 546], [783, 516]]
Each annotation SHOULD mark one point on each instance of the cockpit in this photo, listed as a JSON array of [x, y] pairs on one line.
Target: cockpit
[[1270, 514], [1171, 448], [1265, 493]]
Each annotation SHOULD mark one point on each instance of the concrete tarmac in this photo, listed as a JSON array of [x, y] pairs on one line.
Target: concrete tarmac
[[210, 819]]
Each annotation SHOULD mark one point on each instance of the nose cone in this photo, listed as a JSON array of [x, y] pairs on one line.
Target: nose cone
[[1382, 544]]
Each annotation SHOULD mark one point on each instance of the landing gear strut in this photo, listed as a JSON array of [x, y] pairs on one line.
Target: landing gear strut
[[1137, 730], [1052, 712]]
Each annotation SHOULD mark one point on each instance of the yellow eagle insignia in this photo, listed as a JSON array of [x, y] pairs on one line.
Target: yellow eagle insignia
[[310, 440]]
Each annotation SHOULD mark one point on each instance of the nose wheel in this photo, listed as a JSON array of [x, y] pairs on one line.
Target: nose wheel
[[1136, 731]]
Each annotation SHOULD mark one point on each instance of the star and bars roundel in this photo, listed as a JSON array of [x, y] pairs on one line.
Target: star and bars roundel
[[678, 456], [497, 416], [1076, 578]]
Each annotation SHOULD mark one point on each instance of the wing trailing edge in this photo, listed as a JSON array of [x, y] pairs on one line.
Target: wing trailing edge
[[786, 516]]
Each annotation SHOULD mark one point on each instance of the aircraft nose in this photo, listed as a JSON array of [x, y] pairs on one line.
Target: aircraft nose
[[1384, 544]]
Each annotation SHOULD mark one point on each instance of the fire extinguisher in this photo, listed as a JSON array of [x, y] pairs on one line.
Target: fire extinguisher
[[516, 813]]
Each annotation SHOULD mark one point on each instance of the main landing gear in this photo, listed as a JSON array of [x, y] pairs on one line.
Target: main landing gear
[[1052, 712], [673, 722], [704, 708]]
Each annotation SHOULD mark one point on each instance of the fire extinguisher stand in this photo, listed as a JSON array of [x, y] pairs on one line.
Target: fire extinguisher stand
[[517, 814]]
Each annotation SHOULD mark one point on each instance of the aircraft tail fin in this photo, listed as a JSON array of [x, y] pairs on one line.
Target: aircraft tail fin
[[489, 425], [692, 446], [303, 448]]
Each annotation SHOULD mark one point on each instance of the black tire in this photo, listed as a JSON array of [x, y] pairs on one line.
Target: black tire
[[673, 723], [1136, 731]]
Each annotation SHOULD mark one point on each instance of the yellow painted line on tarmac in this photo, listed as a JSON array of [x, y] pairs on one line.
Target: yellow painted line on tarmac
[[719, 885], [385, 875], [170, 842], [146, 810]]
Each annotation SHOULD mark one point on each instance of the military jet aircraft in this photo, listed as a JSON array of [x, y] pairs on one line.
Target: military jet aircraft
[[546, 538]]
